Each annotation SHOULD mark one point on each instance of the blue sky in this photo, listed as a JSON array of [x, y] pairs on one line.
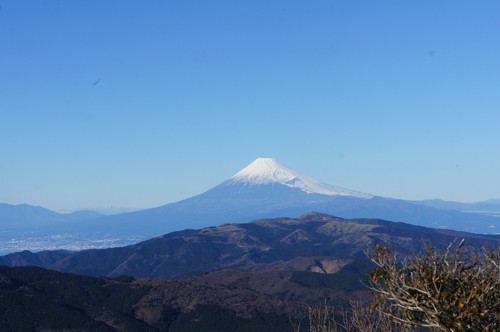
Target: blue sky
[[141, 103]]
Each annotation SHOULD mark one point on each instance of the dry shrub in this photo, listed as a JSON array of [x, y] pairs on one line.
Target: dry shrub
[[450, 290]]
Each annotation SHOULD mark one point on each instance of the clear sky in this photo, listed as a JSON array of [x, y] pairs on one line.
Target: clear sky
[[142, 103]]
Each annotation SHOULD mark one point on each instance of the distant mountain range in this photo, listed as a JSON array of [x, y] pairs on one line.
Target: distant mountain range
[[488, 207], [263, 189], [29, 216]]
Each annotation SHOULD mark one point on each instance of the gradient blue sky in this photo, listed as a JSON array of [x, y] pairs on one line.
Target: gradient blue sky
[[141, 103]]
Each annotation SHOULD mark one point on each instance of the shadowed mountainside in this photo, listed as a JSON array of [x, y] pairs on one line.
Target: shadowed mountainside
[[36, 299]]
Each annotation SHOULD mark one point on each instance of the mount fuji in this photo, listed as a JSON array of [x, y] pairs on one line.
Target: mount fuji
[[268, 171], [264, 189]]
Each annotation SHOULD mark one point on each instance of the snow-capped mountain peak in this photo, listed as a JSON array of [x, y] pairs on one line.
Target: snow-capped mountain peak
[[270, 171], [265, 170]]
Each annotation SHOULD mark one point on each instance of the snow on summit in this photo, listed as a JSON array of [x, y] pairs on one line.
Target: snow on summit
[[270, 171], [265, 170]]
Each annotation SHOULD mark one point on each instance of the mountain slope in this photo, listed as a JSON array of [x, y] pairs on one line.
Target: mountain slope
[[250, 246]]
